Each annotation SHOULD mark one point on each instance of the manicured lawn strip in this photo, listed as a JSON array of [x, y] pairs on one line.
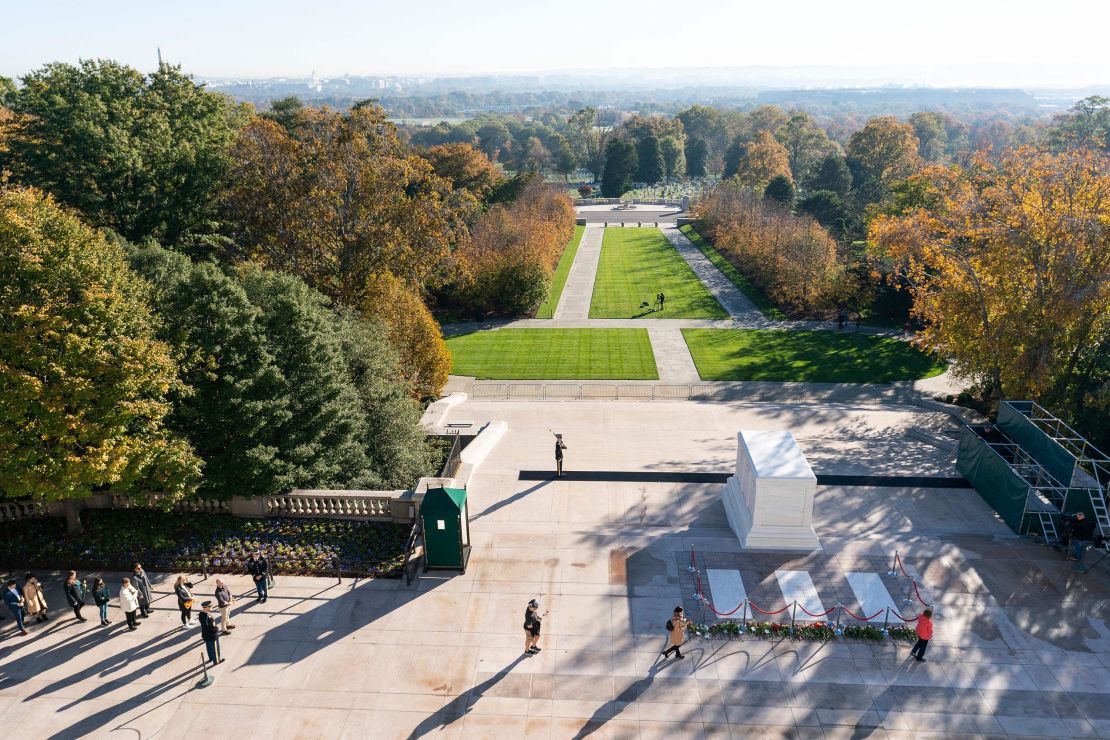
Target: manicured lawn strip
[[554, 354], [638, 263], [559, 278], [754, 294], [814, 356]]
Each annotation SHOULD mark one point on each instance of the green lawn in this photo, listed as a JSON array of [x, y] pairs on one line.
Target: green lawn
[[559, 279], [754, 294], [818, 356], [636, 264], [554, 354]]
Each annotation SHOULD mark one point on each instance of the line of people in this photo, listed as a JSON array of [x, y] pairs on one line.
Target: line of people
[[28, 601]]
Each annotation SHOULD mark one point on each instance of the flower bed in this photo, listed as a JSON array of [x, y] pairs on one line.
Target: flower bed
[[116, 539], [821, 631]]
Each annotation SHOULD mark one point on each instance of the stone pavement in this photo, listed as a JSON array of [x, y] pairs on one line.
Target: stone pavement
[[578, 290], [738, 305], [1022, 645]]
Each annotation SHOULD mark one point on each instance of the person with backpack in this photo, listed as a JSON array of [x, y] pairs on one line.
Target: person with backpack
[[532, 621], [676, 629]]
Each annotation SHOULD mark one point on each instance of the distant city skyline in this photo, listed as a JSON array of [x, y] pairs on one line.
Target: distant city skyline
[[947, 42]]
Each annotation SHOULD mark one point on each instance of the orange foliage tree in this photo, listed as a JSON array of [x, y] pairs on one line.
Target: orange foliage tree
[[1008, 262]]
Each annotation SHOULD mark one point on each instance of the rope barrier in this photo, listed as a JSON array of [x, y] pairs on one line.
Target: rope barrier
[[769, 614], [825, 613], [858, 618], [905, 619], [918, 593]]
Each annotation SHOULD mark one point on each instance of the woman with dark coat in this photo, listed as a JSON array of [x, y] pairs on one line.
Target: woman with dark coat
[[141, 582], [101, 595], [75, 594], [184, 599]]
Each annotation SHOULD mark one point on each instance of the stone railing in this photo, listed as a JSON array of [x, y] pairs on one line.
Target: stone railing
[[14, 511], [336, 504], [192, 506]]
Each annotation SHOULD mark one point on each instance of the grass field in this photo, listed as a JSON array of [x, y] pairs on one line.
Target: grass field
[[559, 279], [754, 294], [816, 356], [554, 354], [638, 263]]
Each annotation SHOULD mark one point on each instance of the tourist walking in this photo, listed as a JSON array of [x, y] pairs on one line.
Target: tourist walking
[[924, 631], [676, 627], [14, 599], [224, 600], [259, 569], [209, 633], [129, 602], [102, 597], [184, 600], [141, 583], [75, 594], [532, 623], [34, 599], [559, 447], [662, 301]]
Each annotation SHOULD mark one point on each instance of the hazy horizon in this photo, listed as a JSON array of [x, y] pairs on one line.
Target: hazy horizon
[[949, 43]]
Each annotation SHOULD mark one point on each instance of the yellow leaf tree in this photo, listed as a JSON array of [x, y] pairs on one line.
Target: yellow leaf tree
[[1008, 262], [83, 382]]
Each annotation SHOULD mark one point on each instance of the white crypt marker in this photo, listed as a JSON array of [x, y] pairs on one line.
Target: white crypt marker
[[872, 596], [726, 591], [797, 586]]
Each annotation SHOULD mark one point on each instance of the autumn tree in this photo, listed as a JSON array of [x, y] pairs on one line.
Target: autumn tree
[[932, 135], [882, 152], [339, 201], [1007, 262], [493, 136], [1086, 124], [83, 380], [465, 167], [761, 160], [141, 154], [425, 361]]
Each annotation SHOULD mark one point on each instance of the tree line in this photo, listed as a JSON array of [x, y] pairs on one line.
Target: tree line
[[202, 298]]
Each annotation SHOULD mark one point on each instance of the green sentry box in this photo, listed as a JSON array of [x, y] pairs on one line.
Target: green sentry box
[[443, 515]]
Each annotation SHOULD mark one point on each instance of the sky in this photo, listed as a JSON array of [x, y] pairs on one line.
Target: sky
[[268, 38]]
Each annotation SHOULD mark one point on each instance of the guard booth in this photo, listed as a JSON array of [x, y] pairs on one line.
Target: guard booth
[[446, 523]]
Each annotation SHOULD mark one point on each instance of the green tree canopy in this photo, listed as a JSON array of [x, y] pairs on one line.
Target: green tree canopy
[[141, 154], [83, 380], [621, 164], [697, 156], [832, 173], [780, 189], [651, 165]]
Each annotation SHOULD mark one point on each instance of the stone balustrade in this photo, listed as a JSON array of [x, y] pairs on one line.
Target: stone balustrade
[[335, 504], [13, 511]]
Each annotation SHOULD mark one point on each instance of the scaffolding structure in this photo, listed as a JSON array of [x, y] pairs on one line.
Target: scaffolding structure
[[1033, 468]]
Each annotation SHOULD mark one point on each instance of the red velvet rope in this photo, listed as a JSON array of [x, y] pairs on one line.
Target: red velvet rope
[[858, 618], [822, 614]]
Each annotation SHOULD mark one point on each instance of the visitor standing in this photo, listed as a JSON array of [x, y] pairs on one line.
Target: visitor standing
[[559, 447], [676, 627], [14, 599], [259, 568], [141, 583], [1082, 532], [662, 301], [209, 633], [532, 623], [34, 599], [184, 600], [75, 594], [224, 600], [924, 631], [129, 602], [102, 597]]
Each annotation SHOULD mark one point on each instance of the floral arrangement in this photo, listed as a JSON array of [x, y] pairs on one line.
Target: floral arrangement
[[811, 631], [117, 538]]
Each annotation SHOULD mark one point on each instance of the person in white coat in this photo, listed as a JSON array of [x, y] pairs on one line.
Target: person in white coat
[[129, 602]]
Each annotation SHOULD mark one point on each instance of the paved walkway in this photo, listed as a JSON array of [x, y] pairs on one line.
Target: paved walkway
[[1022, 644], [578, 291], [672, 356], [738, 305]]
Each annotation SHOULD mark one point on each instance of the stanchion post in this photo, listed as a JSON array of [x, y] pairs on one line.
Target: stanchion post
[[793, 616], [338, 572], [691, 568], [204, 566], [744, 618], [207, 680], [839, 607], [886, 620], [893, 565]]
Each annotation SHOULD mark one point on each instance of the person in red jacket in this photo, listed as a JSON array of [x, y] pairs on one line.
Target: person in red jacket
[[924, 634]]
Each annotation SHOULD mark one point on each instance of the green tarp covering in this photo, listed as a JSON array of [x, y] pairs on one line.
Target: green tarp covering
[[993, 478], [1044, 449]]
